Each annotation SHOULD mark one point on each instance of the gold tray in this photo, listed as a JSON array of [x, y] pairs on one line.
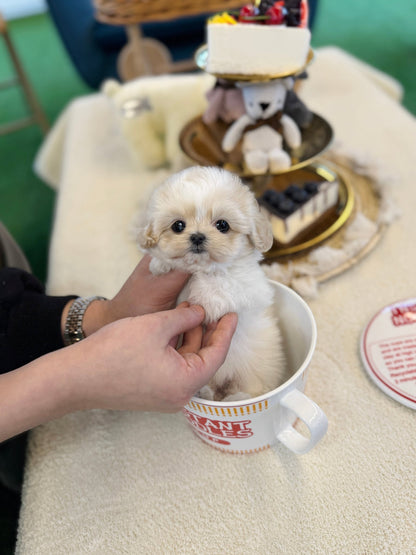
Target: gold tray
[[366, 200], [202, 142], [201, 60], [326, 226]]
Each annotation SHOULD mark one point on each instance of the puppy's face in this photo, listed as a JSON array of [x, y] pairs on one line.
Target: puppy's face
[[203, 216]]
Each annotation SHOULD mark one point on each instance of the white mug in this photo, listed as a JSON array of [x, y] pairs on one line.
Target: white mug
[[255, 424]]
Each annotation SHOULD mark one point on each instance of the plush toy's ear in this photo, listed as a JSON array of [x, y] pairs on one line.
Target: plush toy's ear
[[261, 234], [110, 87]]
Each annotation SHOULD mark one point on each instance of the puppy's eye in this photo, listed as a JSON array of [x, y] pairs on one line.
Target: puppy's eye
[[222, 226], [178, 226]]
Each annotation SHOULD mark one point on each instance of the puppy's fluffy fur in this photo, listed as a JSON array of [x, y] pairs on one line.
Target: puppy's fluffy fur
[[207, 222]]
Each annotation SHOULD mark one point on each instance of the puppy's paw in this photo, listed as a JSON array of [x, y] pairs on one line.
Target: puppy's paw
[[206, 392], [239, 396], [158, 267]]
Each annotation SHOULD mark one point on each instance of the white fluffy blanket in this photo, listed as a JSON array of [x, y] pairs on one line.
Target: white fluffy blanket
[[107, 482]]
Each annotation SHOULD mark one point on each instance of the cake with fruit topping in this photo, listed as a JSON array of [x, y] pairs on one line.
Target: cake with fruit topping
[[298, 207], [268, 39]]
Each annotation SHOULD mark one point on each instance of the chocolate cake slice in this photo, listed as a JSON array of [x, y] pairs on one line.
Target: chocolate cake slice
[[298, 206]]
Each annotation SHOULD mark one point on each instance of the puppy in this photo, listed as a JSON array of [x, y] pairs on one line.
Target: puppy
[[205, 221]]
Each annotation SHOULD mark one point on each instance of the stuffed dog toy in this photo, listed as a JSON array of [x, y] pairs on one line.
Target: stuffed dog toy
[[263, 127]]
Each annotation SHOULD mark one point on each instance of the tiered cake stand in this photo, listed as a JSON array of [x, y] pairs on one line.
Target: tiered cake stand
[[201, 142]]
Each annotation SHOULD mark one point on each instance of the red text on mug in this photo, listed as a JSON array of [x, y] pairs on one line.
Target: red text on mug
[[237, 429]]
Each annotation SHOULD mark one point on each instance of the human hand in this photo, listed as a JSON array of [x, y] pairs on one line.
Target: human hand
[[132, 364], [142, 293]]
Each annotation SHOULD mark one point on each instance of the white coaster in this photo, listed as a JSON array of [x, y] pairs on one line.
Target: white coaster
[[388, 350]]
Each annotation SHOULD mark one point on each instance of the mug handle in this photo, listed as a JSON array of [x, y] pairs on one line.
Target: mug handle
[[309, 412]]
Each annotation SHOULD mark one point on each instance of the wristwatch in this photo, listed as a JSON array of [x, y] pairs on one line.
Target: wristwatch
[[73, 331]]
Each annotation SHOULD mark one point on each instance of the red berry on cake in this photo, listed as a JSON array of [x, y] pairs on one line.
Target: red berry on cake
[[247, 14], [276, 14], [304, 14]]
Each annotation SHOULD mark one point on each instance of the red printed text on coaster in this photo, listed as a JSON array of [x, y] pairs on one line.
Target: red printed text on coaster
[[388, 350]]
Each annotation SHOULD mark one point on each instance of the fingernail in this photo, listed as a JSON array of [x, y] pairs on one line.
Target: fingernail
[[198, 308]]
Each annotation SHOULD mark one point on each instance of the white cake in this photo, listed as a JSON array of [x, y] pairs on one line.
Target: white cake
[[251, 49], [296, 208]]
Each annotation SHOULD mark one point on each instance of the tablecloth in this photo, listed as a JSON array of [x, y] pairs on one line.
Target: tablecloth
[[113, 482]]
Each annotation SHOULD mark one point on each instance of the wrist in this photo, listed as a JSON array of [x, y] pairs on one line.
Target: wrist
[[83, 316], [96, 316]]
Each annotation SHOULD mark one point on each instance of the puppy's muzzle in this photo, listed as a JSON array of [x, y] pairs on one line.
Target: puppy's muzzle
[[197, 242]]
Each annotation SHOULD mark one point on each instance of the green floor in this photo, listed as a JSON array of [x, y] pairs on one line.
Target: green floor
[[383, 34]]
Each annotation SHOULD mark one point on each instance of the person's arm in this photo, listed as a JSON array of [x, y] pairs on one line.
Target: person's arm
[[29, 319], [32, 323], [131, 364]]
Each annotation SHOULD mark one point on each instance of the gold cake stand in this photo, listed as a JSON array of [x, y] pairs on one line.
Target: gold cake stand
[[201, 143], [201, 60]]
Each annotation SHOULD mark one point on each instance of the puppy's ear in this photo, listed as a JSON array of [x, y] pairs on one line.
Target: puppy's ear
[[146, 237], [261, 233]]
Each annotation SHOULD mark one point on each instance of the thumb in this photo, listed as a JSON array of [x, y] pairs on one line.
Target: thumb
[[180, 320]]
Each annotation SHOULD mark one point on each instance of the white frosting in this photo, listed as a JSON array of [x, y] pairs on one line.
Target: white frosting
[[251, 49]]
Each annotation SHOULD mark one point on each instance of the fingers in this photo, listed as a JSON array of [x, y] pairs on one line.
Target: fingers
[[217, 340], [192, 341], [180, 320], [174, 279], [204, 362], [174, 340], [144, 262]]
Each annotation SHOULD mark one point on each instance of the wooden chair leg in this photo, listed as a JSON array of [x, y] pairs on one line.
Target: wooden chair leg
[[38, 115], [146, 56]]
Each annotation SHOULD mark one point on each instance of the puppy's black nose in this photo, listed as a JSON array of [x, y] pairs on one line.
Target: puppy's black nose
[[197, 238], [264, 105]]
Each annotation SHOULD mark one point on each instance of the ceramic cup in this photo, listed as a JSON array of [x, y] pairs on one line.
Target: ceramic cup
[[255, 424]]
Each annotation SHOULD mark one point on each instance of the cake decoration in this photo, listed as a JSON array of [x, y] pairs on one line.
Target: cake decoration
[[293, 13]]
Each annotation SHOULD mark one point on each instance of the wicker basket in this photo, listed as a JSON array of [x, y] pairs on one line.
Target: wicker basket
[[126, 12]]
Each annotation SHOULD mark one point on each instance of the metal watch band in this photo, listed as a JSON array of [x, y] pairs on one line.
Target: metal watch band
[[73, 331]]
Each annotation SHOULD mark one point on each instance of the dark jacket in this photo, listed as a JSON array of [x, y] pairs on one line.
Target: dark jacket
[[30, 326]]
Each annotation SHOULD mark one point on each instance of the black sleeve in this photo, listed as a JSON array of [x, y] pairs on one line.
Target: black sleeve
[[30, 320]]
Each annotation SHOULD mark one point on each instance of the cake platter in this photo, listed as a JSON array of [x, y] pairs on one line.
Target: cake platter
[[361, 199], [201, 142], [201, 60]]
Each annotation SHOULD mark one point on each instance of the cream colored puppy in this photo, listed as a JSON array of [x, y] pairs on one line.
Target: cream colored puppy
[[205, 221]]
